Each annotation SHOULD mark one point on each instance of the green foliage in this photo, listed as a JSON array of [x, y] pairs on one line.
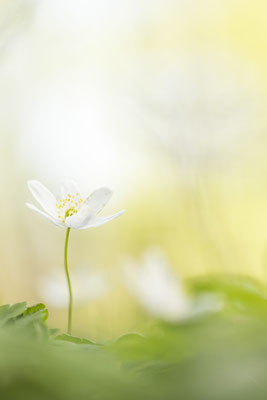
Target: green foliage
[[8, 313], [35, 309], [28, 322], [73, 339], [219, 354]]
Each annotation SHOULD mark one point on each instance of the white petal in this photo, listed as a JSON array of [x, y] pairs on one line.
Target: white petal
[[44, 197], [49, 217], [82, 217], [98, 199], [68, 187], [101, 220], [156, 288]]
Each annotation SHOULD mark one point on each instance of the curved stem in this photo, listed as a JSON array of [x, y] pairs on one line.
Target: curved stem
[[68, 279]]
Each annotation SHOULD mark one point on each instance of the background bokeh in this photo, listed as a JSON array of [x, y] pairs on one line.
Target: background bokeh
[[164, 101]]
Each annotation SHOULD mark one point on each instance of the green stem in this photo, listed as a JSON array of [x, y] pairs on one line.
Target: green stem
[[68, 279]]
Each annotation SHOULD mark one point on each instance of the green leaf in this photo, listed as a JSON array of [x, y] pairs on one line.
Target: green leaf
[[25, 321], [8, 312], [73, 339], [36, 308], [129, 339], [53, 331], [129, 346], [30, 318], [4, 308]]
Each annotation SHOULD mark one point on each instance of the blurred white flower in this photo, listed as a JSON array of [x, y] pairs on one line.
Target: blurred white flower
[[88, 285], [70, 210], [155, 287]]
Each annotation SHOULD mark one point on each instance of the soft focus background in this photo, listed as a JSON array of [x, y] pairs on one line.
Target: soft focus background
[[161, 100]]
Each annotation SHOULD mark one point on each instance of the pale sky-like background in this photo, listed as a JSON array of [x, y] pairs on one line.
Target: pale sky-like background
[[90, 86]]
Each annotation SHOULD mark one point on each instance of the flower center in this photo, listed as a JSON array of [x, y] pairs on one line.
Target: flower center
[[68, 206]]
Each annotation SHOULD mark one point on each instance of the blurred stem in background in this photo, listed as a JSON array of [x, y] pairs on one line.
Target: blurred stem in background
[[68, 279]]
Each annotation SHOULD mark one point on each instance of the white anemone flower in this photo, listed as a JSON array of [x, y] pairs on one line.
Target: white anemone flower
[[160, 291], [70, 209], [155, 287]]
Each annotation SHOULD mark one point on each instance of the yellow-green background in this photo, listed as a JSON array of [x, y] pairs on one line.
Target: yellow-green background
[[207, 209]]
